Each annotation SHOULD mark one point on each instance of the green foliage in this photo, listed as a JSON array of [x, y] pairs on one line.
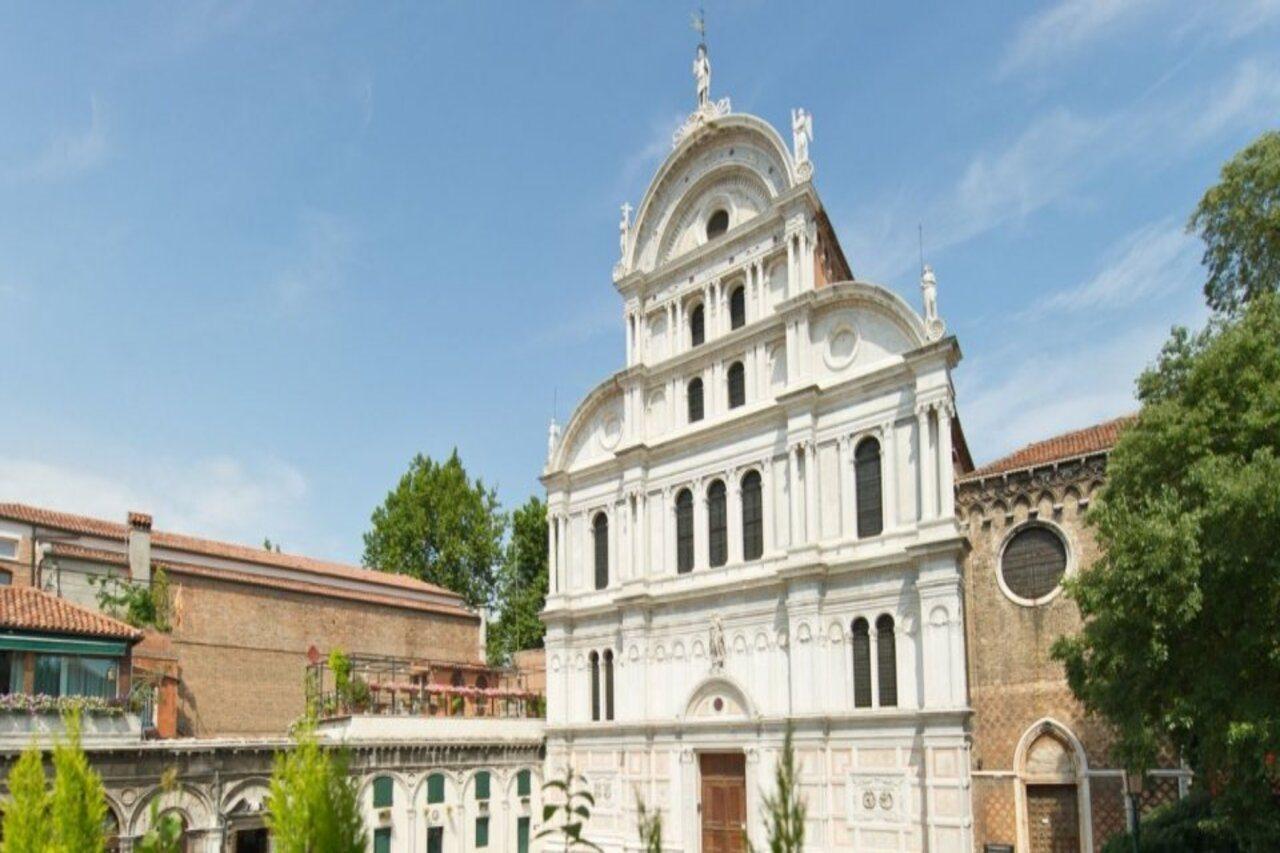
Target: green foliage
[[1239, 221], [26, 812], [440, 526], [566, 811], [1185, 826], [140, 605], [1182, 611], [648, 826], [521, 585], [353, 691], [312, 805], [78, 805], [784, 808], [165, 832]]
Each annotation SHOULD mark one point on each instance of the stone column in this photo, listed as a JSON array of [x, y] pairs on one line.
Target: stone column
[[889, 477], [645, 536], [925, 457], [946, 470], [700, 527], [847, 506], [669, 529], [769, 508], [630, 323], [553, 551], [793, 495], [791, 266], [734, 509], [811, 509]]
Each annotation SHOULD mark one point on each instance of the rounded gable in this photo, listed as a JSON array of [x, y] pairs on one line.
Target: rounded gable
[[738, 160]]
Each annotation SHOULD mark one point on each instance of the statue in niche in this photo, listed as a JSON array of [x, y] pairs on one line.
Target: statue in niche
[[716, 643]]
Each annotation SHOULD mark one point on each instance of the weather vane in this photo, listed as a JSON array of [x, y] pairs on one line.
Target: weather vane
[[699, 24]]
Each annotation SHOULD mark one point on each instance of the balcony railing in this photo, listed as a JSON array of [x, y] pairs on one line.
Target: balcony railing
[[427, 688]]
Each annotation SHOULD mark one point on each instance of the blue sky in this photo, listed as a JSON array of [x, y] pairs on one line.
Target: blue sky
[[254, 256]]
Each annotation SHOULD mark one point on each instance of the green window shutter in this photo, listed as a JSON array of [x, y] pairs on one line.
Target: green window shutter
[[435, 839], [523, 786], [382, 792], [482, 785], [522, 835], [435, 788], [382, 840], [482, 832]]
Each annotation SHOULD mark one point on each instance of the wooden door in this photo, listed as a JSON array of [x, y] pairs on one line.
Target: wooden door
[[724, 802], [1053, 819]]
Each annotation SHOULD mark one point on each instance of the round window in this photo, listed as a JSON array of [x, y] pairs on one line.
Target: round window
[[1033, 563], [717, 224]]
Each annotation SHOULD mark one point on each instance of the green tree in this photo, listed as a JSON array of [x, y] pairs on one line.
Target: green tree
[[784, 807], [26, 811], [522, 585], [440, 526], [1182, 611], [78, 806], [566, 811], [312, 805], [1239, 221]]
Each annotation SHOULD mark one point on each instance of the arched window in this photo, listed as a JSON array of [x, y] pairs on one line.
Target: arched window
[[866, 466], [737, 385], [600, 533], [684, 531], [697, 326], [717, 525], [383, 792], [695, 399], [886, 661], [608, 684], [752, 517], [595, 686], [738, 308], [717, 223], [861, 664], [435, 788]]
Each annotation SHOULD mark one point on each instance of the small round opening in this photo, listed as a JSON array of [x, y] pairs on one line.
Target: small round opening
[[717, 224], [718, 704]]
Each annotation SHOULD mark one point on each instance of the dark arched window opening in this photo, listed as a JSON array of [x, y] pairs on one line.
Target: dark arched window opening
[[717, 524], [695, 400], [886, 661], [717, 224], [697, 326], [600, 532], [595, 686], [867, 473], [737, 385], [752, 517], [861, 664], [738, 308], [608, 684], [684, 531]]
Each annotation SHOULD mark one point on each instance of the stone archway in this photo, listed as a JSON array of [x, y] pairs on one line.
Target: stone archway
[[1052, 790]]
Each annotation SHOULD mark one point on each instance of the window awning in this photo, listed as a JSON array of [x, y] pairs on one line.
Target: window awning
[[61, 645]]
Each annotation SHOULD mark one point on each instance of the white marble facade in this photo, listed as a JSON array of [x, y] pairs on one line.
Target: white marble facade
[[825, 366]]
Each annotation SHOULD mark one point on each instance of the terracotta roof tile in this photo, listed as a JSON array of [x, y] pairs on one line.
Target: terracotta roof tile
[[1098, 438], [212, 548], [28, 609]]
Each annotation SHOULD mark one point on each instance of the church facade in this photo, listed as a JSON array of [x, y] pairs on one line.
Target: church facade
[[752, 525]]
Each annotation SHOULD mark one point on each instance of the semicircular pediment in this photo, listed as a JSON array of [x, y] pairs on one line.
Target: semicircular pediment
[[730, 148], [719, 697]]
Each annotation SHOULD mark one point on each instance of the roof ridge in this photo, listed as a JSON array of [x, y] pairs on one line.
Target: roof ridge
[[1095, 438], [225, 550]]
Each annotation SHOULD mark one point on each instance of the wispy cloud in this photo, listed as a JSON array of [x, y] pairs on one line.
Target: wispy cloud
[[1068, 27], [1055, 158], [67, 155], [1155, 260], [318, 263], [1073, 27], [218, 497], [640, 163]]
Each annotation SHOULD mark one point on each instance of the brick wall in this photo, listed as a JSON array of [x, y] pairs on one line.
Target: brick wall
[[243, 648]]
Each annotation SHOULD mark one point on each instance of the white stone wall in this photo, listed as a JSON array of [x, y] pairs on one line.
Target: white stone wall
[[825, 368]]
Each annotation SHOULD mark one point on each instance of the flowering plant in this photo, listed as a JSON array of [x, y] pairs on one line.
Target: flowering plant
[[40, 703]]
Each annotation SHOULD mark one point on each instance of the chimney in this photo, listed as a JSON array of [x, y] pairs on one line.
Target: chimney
[[140, 547]]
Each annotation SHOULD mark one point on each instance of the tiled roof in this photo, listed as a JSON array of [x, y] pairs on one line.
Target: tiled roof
[[314, 588], [212, 548], [1098, 438], [28, 609]]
